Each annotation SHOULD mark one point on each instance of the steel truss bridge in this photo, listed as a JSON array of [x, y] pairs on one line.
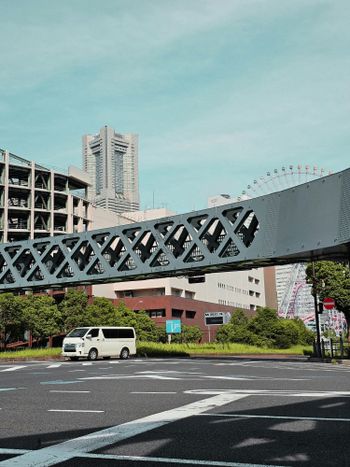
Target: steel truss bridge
[[310, 221]]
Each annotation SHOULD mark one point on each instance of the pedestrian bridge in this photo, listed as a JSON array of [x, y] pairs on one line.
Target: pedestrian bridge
[[307, 222]]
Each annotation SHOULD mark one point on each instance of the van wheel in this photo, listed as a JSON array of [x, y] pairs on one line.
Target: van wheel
[[74, 359], [93, 354], [124, 354]]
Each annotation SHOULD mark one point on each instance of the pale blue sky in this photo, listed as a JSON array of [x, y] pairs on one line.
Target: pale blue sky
[[220, 92]]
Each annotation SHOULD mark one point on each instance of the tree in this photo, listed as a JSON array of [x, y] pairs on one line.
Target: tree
[[11, 317], [41, 315], [265, 329], [236, 330], [102, 312], [239, 319], [332, 279], [73, 309], [263, 324]]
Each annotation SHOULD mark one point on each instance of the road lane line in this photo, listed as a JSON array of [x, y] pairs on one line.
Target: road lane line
[[54, 365], [172, 460], [270, 392], [277, 417], [91, 442], [14, 368], [76, 411], [70, 392], [153, 392]]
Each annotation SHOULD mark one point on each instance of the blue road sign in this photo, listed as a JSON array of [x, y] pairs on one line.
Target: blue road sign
[[173, 326]]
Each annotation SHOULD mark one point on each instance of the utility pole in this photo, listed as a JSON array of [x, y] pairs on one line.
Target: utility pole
[[318, 337]]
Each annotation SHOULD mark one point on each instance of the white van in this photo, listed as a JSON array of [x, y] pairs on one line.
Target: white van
[[104, 341]]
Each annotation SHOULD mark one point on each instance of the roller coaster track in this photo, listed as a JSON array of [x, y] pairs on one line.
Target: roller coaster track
[[309, 221]]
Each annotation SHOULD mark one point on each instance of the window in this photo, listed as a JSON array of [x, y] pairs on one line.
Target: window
[[189, 294], [118, 333], [176, 313], [94, 332], [190, 314], [250, 278], [128, 293], [176, 292], [156, 313], [257, 294], [257, 281]]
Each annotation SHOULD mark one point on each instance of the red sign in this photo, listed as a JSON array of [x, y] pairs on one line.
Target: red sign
[[328, 303]]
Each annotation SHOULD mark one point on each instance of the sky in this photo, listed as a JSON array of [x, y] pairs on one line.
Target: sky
[[219, 92]]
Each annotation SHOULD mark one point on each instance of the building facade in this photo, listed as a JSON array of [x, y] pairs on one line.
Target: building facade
[[111, 160], [36, 201]]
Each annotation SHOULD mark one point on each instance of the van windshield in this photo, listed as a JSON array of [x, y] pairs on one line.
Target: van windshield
[[78, 332]]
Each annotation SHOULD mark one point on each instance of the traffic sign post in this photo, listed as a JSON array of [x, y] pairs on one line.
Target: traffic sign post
[[172, 326], [328, 303]]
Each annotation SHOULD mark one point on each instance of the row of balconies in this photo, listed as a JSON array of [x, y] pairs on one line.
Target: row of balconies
[[43, 202], [41, 222], [22, 177]]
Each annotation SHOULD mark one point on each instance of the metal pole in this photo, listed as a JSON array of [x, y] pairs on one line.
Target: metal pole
[[318, 337]]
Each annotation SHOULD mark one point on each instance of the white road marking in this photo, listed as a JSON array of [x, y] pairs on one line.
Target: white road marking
[[109, 377], [277, 417], [70, 392], [166, 460], [14, 368], [13, 451], [172, 460], [91, 442], [76, 411], [87, 363], [54, 365], [153, 392], [270, 392], [253, 378]]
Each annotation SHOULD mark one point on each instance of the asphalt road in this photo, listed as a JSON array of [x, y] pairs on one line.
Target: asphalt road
[[152, 412]]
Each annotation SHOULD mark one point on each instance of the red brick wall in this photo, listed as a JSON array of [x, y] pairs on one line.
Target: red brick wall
[[170, 302]]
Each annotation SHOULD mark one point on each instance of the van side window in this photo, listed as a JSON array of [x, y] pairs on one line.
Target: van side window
[[94, 332], [118, 333]]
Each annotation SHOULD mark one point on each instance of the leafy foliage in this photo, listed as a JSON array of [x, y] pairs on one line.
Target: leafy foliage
[[73, 309], [332, 279], [265, 329], [41, 315], [11, 318], [101, 312], [188, 334]]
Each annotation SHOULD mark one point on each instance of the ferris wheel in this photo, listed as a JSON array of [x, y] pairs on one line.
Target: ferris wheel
[[283, 178], [293, 292]]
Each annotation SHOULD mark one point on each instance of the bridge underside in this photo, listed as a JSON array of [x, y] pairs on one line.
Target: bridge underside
[[310, 221]]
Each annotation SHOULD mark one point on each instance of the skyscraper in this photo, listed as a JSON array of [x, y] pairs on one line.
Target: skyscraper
[[111, 160]]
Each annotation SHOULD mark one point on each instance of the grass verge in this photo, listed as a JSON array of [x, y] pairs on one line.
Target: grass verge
[[152, 349], [31, 353]]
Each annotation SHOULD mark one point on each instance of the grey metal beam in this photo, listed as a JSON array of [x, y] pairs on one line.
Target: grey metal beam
[[310, 221]]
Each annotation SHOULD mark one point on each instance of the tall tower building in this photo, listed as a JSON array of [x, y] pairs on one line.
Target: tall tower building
[[111, 160]]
